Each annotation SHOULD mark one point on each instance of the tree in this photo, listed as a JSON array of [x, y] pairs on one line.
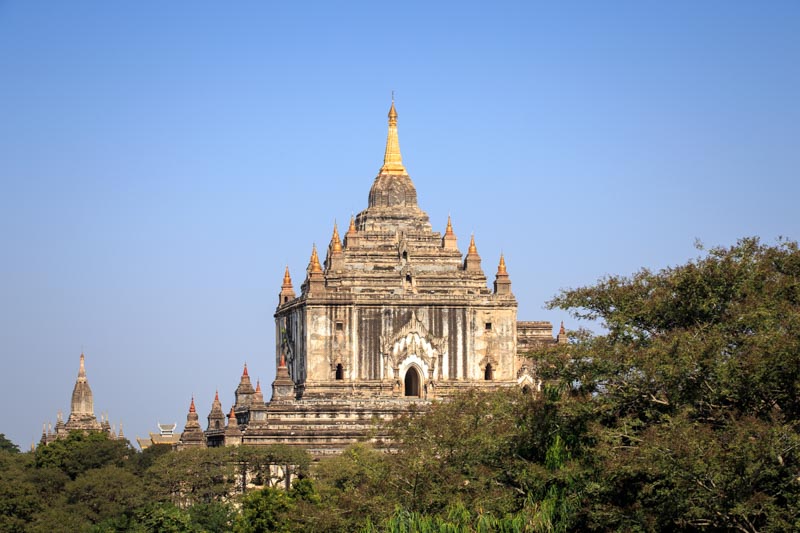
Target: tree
[[164, 518], [6, 445], [191, 476], [265, 510], [105, 493], [19, 499], [81, 451], [691, 399]]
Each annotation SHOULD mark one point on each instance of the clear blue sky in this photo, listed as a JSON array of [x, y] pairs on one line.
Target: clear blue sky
[[161, 162]]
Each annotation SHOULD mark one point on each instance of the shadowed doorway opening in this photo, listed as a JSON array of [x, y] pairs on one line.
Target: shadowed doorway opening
[[412, 382]]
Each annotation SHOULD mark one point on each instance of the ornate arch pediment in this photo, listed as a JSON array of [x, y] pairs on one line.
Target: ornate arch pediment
[[413, 326]]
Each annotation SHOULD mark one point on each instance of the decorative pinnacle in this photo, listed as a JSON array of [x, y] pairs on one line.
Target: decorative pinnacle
[[258, 385], [244, 373], [314, 262], [449, 231], [501, 268], [472, 248], [282, 363], [287, 279], [352, 228], [216, 396], [392, 160], [232, 416], [562, 331], [336, 243], [191, 406], [82, 368]]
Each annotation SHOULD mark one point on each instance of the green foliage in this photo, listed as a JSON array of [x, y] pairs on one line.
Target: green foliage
[[355, 486], [197, 475], [682, 416], [265, 510], [80, 452], [19, 499], [258, 462], [6, 445], [213, 516], [104, 493], [691, 398], [164, 518]]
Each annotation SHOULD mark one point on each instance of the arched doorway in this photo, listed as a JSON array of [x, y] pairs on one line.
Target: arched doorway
[[488, 374], [412, 382], [339, 371]]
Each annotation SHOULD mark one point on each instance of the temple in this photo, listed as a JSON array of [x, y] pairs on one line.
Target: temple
[[394, 315], [81, 416]]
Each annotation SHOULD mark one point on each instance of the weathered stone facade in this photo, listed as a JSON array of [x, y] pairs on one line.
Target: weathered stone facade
[[81, 416], [395, 314]]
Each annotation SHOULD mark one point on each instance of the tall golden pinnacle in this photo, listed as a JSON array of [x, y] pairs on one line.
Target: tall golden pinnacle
[[449, 230], [352, 228], [392, 160], [336, 243], [501, 268], [287, 279], [314, 262], [472, 248]]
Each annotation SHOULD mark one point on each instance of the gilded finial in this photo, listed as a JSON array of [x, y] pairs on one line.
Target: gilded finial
[[216, 396], [287, 279], [352, 228], [191, 406], [314, 262], [336, 243], [449, 230], [258, 385], [244, 373], [392, 160], [501, 268], [472, 248]]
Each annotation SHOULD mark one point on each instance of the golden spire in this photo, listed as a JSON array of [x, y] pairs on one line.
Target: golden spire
[[501, 268], [314, 262], [287, 279], [392, 160], [472, 248], [352, 228], [336, 243], [449, 230]]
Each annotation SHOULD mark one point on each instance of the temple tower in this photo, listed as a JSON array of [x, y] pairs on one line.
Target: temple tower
[[81, 416]]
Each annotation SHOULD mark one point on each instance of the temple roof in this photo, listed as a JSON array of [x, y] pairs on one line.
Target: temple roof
[[393, 197]]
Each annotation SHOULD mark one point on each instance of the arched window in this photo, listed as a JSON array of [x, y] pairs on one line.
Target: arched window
[[408, 278], [339, 371], [526, 390], [488, 375], [405, 255], [412, 382]]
